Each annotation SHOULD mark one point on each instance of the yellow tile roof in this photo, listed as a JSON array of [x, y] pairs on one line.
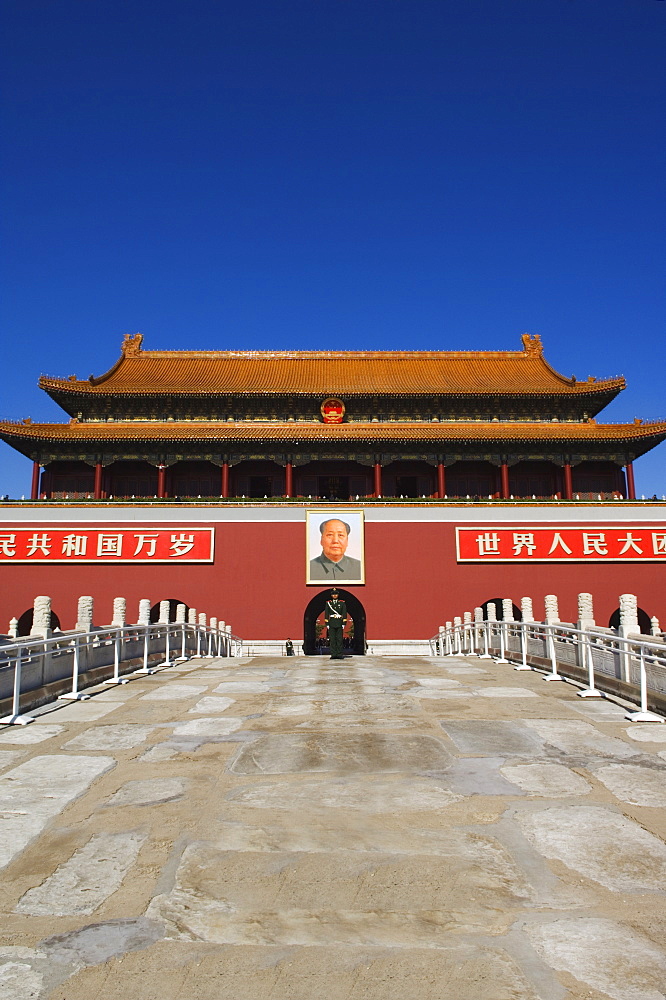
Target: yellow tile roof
[[326, 373]]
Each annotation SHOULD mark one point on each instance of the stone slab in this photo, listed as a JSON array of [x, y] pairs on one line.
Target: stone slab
[[149, 792], [480, 776], [117, 692], [81, 711], [637, 786], [212, 704], [374, 796], [506, 739], [174, 692], [601, 709], [347, 753], [207, 728], [35, 792], [124, 736], [87, 879], [349, 899], [600, 844], [442, 694], [241, 687], [576, 737], [437, 682], [465, 670], [647, 732], [551, 781], [9, 757], [27, 735], [339, 705], [607, 956], [505, 692]]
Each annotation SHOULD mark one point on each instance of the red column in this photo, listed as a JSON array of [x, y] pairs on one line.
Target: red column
[[441, 480], [225, 479], [568, 482], [378, 479], [631, 485], [504, 479], [288, 480], [34, 490], [98, 480], [161, 481]]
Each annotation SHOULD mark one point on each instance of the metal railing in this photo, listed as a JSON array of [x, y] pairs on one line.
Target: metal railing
[[34, 662], [634, 661]]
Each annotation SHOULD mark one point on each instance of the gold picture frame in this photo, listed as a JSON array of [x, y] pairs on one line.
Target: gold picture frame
[[334, 553]]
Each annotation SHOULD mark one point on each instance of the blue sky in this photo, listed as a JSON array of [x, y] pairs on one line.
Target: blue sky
[[334, 173]]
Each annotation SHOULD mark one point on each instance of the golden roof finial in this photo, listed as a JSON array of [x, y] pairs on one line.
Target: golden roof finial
[[532, 344], [131, 345]]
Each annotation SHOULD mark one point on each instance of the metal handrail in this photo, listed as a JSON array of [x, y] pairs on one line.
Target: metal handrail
[[177, 638], [467, 638]]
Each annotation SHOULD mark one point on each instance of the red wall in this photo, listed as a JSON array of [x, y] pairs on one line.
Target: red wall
[[257, 581]]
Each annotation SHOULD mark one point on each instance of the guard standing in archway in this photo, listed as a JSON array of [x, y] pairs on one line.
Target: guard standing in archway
[[335, 614]]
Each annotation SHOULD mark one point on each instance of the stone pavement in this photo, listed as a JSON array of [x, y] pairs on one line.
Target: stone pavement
[[384, 828]]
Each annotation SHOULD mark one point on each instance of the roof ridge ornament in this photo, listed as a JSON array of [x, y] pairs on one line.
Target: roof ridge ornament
[[131, 345], [532, 344]]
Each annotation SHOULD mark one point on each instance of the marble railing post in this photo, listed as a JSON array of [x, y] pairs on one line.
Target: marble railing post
[[629, 613], [41, 617], [552, 609], [585, 612], [119, 612], [84, 614], [628, 626]]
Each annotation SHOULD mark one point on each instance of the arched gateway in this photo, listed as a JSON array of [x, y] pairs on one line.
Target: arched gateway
[[315, 608]]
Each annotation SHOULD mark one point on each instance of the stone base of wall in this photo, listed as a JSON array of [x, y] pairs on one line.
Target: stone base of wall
[[375, 647]]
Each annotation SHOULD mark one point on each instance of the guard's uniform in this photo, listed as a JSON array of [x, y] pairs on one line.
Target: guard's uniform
[[335, 614]]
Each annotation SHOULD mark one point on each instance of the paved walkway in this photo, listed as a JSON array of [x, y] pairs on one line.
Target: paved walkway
[[386, 829]]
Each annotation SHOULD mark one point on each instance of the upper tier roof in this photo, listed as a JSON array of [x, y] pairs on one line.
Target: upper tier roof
[[325, 373]]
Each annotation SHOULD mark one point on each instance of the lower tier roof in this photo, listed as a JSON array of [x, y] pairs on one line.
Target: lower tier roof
[[638, 436]]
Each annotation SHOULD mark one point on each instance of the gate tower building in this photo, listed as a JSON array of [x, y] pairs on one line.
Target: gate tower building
[[333, 425]]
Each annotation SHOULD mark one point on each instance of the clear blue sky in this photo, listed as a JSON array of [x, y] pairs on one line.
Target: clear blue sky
[[442, 174]]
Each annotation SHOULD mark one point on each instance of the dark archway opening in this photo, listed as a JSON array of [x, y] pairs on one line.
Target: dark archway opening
[[356, 612], [173, 604], [25, 622], [644, 623], [497, 601]]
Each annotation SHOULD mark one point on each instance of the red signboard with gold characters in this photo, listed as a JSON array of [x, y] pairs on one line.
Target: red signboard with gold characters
[[332, 410], [562, 543], [44, 544]]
